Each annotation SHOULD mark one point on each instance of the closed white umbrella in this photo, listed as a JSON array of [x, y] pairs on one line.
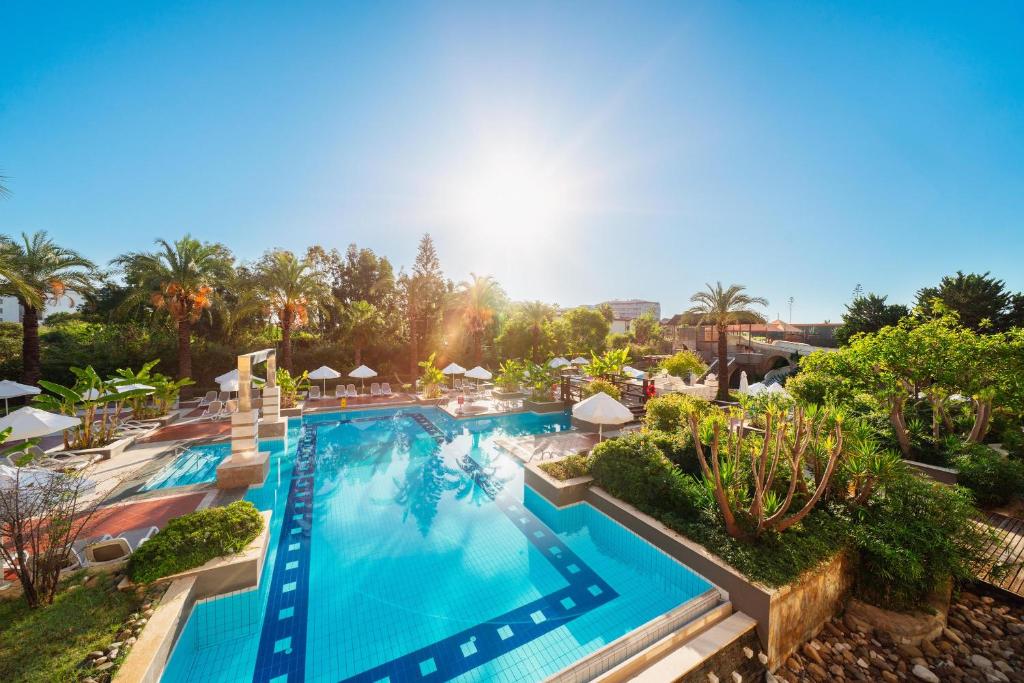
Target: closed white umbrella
[[558, 362], [362, 373], [454, 369], [601, 409], [325, 373], [9, 389], [29, 423], [743, 382]]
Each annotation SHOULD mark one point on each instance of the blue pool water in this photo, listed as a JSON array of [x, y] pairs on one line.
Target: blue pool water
[[404, 546], [198, 465]]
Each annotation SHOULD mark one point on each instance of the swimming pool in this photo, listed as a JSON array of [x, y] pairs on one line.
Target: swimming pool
[[404, 546], [198, 464]]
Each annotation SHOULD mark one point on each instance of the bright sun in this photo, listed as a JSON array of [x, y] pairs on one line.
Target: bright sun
[[511, 193]]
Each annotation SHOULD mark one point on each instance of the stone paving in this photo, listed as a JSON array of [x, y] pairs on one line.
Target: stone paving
[[983, 641]]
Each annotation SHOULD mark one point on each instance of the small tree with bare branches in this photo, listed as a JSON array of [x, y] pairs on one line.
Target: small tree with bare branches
[[747, 473]]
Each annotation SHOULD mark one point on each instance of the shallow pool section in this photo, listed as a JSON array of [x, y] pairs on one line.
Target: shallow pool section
[[405, 547], [198, 465]]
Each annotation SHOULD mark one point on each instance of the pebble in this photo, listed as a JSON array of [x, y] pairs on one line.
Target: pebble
[[925, 674], [104, 667]]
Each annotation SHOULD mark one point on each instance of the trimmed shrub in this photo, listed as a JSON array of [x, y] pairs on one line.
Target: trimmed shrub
[[668, 413], [678, 448], [682, 364], [634, 469], [192, 540], [598, 385], [912, 540], [992, 478], [569, 467]]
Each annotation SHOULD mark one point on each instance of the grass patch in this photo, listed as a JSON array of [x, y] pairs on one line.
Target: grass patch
[[192, 540], [48, 644], [569, 467]]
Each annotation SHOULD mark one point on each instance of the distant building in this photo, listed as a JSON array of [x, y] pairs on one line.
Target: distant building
[[628, 309], [10, 310]]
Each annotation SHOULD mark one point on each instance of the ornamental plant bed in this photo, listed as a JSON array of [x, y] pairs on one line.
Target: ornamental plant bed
[[543, 406]]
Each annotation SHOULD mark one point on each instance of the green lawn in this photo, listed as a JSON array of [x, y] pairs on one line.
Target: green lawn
[[48, 644]]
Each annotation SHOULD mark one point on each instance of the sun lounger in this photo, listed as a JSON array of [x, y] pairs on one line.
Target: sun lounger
[[118, 549], [375, 389], [314, 393], [212, 411], [351, 390], [224, 396], [458, 383], [385, 389], [231, 407], [210, 396], [340, 391]]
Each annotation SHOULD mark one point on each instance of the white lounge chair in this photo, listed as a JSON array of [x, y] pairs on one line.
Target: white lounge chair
[[231, 407], [314, 393], [340, 391], [211, 395], [223, 396], [458, 384], [118, 549], [385, 389], [375, 389], [212, 411], [351, 389]]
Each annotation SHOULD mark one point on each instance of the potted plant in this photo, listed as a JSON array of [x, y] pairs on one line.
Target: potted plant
[[431, 379], [509, 379], [543, 383]]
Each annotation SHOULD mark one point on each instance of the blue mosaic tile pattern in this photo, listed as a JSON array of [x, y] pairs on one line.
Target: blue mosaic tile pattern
[[282, 648]]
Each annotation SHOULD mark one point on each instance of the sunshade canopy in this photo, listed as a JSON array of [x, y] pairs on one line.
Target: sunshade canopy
[[454, 369], [9, 389], [558, 362], [233, 377], [602, 409], [29, 423], [580, 360], [363, 372], [478, 373], [324, 372]]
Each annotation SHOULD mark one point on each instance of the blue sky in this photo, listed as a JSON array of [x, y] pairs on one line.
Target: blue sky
[[575, 151]]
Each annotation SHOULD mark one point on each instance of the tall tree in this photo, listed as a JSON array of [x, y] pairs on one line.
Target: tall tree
[[290, 288], [476, 301], [424, 291], [179, 278], [868, 314], [721, 307], [585, 331], [362, 323], [40, 270], [975, 298], [537, 315]]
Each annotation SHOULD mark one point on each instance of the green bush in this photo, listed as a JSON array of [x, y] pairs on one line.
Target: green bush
[[635, 469], [193, 539], [912, 540], [569, 467], [669, 413], [992, 478], [678, 448], [682, 364], [601, 385]]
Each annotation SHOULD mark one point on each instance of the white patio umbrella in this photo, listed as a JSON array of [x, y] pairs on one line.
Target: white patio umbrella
[[630, 371], [9, 389], [743, 382], [580, 360], [559, 362], [325, 373], [29, 423], [33, 477], [363, 373], [756, 389], [479, 373], [229, 380], [601, 409], [454, 369], [777, 389]]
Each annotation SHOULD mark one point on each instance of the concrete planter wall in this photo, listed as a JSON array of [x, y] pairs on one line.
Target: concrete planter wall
[[543, 406], [111, 450], [786, 616], [944, 475], [506, 395]]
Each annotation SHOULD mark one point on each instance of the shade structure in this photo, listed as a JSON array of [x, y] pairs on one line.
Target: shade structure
[[9, 389], [632, 372], [30, 423], [558, 362], [229, 381], [580, 360], [324, 373], [777, 389], [454, 369], [601, 409], [743, 382], [478, 373], [756, 389], [362, 373]]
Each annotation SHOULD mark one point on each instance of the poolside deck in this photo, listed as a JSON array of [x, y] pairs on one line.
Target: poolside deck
[[1008, 550]]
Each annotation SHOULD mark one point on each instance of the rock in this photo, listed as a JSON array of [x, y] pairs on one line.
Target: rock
[[909, 651], [99, 661], [836, 670], [929, 649], [1015, 628], [925, 674], [130, 641], [793, 665], [812, 654], [104, 667], [890, 677], [112, 655], [952, 636], [817, 672], [862, 664], [981, 662], [96, 653], [1002, 666]]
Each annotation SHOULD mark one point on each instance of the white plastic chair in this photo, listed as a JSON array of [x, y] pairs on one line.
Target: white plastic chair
[[385, 389], [314, 393], [352, 393], [375, 389]]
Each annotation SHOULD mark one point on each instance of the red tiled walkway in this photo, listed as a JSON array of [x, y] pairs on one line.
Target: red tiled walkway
[[190, 430], [115, 519]]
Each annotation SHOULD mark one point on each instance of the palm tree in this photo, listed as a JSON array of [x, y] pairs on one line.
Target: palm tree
[[40, 270], [536, 314], [476, 300], [362, 322], [291, 289], [723, 307], [179, 278]]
